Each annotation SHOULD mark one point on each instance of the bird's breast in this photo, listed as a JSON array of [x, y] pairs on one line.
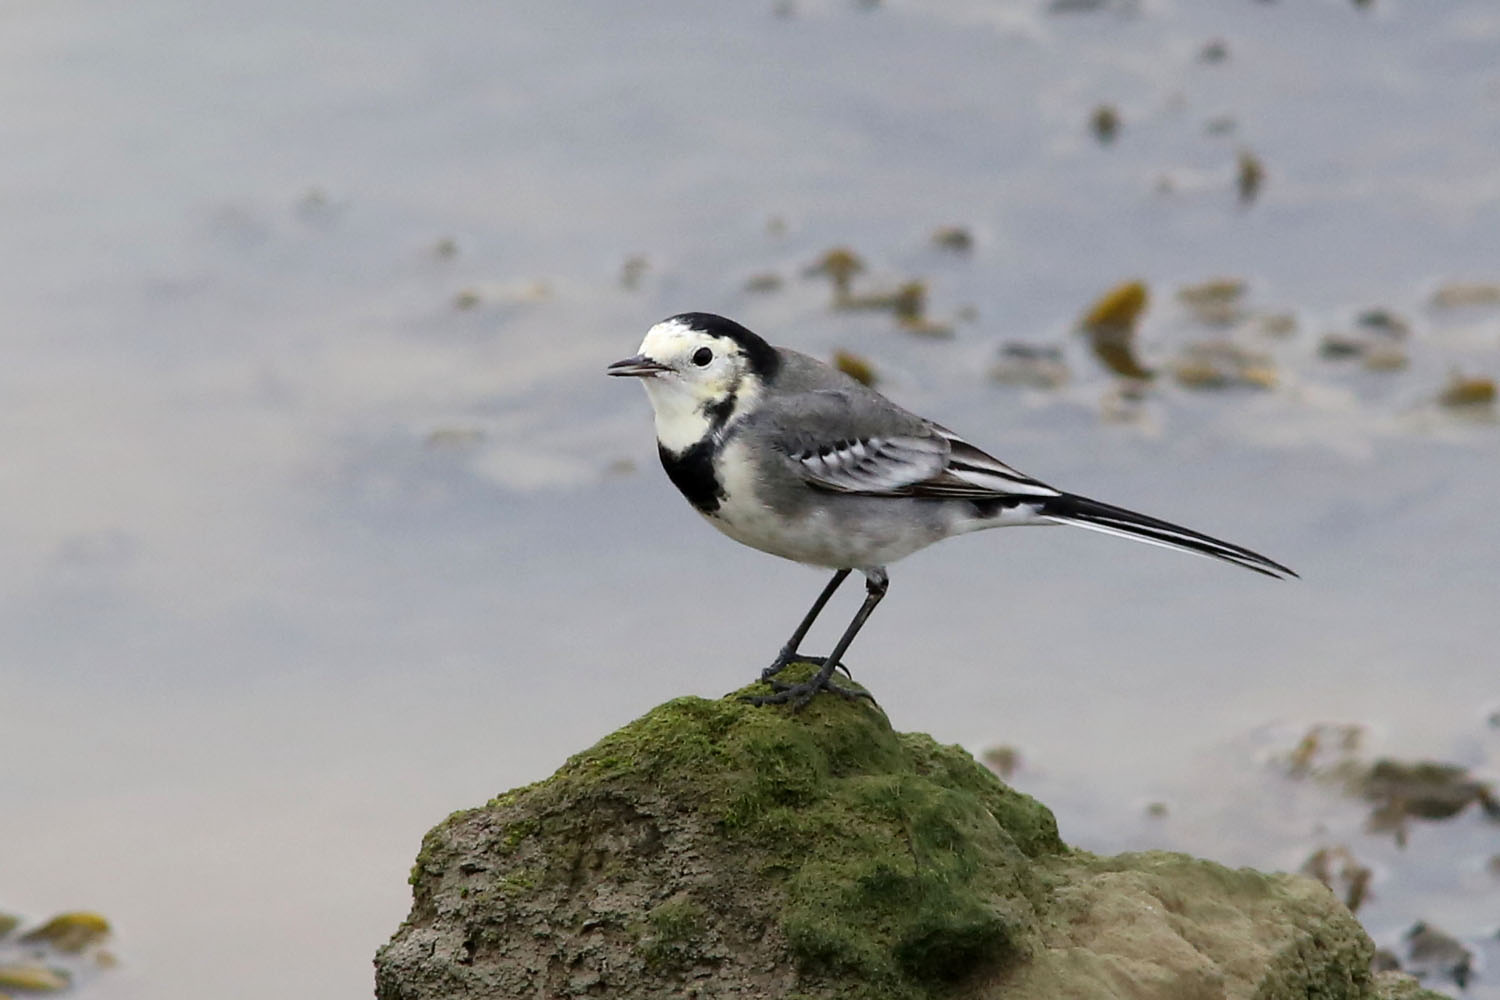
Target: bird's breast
[[692, 472]]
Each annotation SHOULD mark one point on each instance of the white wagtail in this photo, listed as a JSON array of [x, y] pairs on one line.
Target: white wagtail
[[787, 455]]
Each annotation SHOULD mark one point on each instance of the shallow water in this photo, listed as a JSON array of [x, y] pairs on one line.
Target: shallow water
[[300, 556]]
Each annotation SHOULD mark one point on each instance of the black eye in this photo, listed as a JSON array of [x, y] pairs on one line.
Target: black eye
[[702, 356]]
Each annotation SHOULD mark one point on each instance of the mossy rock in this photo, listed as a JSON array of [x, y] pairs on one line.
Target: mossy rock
[[717, 849]]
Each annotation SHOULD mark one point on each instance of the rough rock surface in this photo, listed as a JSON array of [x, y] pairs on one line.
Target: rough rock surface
[[712, 849]]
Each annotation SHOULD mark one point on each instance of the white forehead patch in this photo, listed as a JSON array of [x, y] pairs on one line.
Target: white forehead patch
[[672, 337]]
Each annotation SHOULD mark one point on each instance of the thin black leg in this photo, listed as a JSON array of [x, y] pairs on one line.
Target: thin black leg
[[876, 584], [789, 652]]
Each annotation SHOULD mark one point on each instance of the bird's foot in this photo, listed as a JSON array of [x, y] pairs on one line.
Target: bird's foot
[[788, 657], [799, 695]]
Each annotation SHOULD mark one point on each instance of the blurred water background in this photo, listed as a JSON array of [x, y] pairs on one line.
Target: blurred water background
[[320, 520]]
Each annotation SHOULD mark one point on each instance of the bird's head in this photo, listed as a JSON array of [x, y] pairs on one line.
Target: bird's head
[[701, 372]]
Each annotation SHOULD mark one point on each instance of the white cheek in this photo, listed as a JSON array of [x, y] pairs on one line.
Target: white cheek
[[680, 423]]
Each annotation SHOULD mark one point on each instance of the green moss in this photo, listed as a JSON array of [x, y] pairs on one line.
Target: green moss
[[672, 934], [517, 832], [891, 856], [516, 883]]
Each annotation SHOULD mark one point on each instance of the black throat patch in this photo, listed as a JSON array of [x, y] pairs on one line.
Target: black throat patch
[[692, 472]]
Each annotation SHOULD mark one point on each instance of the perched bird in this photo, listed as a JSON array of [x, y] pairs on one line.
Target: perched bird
[[787, 455]]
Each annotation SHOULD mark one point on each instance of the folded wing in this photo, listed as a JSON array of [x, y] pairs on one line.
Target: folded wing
[[842, 443]]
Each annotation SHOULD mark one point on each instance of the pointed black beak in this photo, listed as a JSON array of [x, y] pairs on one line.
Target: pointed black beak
[[639, 366]]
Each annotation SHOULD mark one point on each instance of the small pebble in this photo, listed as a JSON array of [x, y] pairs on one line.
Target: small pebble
[[1464, 294], [954, 238], [855, 367], [1105, 123], [1250, 175], [1465, 392]]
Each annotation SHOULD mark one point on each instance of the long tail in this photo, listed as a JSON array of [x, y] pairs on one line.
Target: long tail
[[1086, 513]]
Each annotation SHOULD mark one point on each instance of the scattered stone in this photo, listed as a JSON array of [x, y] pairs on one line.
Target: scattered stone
[[1338, 868], [315, 208], [511, 293], [855, 367], [1385, 358], [633, 270], [1003, 760], [524, 292], [1466, 294], [620, 467], [953, 238], [1341, 347], [766, 281], [1277, 324], [1214, 291], [1111, 323], [1327, 749], [1035, 365], [1433, 954], [1425, 790], [840, 264], [1221, 125], [454, 438], [70, 932], [1374, 345], [1124, 402], [1384, 322], [1105, 123], [931, 328], [1119, 308], [908, 303], [1468, 392], [32, 978], [62, 954], [1398, 791], [1216, 302], [1222, 364], [1250, 175]]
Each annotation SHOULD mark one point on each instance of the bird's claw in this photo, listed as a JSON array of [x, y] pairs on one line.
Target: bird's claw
[[788, 658], [801, 694]]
